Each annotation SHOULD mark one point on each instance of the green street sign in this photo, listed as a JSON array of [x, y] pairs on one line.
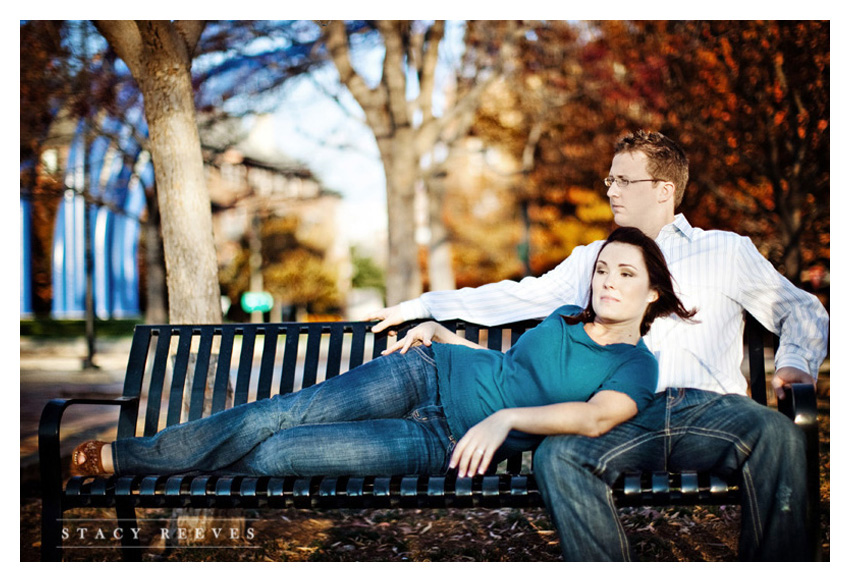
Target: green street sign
[[257, 301]]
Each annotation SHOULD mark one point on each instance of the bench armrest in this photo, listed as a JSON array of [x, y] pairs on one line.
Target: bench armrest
[[49, 457], [51, 416], [801, 406]]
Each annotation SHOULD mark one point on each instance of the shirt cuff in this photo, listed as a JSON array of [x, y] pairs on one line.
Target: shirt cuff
[[795, 361], [414, 309]]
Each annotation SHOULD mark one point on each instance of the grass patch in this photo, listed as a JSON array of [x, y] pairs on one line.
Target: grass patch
[[47, 328]]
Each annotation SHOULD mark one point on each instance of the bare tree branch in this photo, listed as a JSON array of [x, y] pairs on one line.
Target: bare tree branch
[[428, 69], [430, 131], [337, 44], [190, 31], [394, 78], [123, 36], [162, 35]]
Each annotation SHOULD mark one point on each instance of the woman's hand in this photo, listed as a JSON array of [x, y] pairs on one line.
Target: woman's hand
[[476, 449], [422, 334], [425, 333]]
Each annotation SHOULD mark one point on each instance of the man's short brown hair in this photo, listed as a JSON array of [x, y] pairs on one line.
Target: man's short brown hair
[[666, 160]]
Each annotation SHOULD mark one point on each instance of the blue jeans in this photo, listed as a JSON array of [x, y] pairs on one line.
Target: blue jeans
[[683, 429], [381, 418]]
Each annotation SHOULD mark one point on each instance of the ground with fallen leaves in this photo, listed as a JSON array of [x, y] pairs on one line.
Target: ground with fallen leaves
[[699, 533]]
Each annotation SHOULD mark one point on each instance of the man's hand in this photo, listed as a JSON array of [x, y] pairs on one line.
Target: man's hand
[[475, 450], [387, 316], [784, 377]]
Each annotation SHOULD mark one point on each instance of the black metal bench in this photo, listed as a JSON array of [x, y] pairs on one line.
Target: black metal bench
[[182, 372]]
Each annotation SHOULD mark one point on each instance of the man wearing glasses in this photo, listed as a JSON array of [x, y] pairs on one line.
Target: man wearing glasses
[[701, 418]]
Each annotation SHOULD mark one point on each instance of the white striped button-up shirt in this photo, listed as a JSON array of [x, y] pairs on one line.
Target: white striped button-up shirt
[[720, 273]]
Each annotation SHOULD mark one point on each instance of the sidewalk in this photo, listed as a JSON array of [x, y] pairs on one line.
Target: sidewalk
[[54, 369]]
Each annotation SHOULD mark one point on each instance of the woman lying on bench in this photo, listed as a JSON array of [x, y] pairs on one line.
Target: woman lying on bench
[[581, 371]]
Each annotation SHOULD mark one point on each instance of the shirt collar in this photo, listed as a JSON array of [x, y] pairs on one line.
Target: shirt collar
[[680, 224]]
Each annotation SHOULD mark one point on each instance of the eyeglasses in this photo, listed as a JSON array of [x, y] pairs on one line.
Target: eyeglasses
[[623, 183]]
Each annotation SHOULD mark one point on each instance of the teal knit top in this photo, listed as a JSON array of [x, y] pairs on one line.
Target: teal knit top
[[551, 363]]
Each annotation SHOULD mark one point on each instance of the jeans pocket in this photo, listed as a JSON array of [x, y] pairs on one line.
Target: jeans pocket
[[426, 353], [675, 396], [434, 417]]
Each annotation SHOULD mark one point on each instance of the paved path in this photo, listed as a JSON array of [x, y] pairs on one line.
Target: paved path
[[54, 369]]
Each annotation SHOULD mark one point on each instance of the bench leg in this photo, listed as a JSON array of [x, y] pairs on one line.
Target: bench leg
[[51, 530], [802, 408], [130, 547], [813, 486]]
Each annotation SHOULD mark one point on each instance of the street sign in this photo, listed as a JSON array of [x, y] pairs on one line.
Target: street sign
[[257, 301]]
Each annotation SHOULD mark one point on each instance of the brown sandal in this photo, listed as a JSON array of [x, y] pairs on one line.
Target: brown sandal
[[93, 464]]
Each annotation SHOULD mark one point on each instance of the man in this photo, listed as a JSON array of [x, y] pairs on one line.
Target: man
[[701, 417]]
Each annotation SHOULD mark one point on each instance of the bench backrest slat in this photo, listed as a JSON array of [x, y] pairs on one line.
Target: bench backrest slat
[[290, 358], [494, 339], [134, 380], [264, 385], [178, 377], [311, 358], [246, 362], [358, 345], [222, 373], [160, 365], [199, 382], [380, 344], [472, 332], [335, 339]]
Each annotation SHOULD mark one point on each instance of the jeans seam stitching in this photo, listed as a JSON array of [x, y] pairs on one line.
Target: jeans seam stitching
[[715, 433], [626, 446], [422, 354], [621, 537], [749, 491]]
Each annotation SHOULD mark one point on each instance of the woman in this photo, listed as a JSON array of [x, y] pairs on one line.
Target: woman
[[579, 371]]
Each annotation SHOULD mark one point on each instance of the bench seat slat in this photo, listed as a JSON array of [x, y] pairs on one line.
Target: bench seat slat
[[199, 486], [174, 485], [148, 485], [224, 487]]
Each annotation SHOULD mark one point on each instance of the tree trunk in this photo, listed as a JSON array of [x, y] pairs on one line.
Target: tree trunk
[[788, 206], [190, 261], [156, 291], [159, 55], [404, 280], [441, 274]]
